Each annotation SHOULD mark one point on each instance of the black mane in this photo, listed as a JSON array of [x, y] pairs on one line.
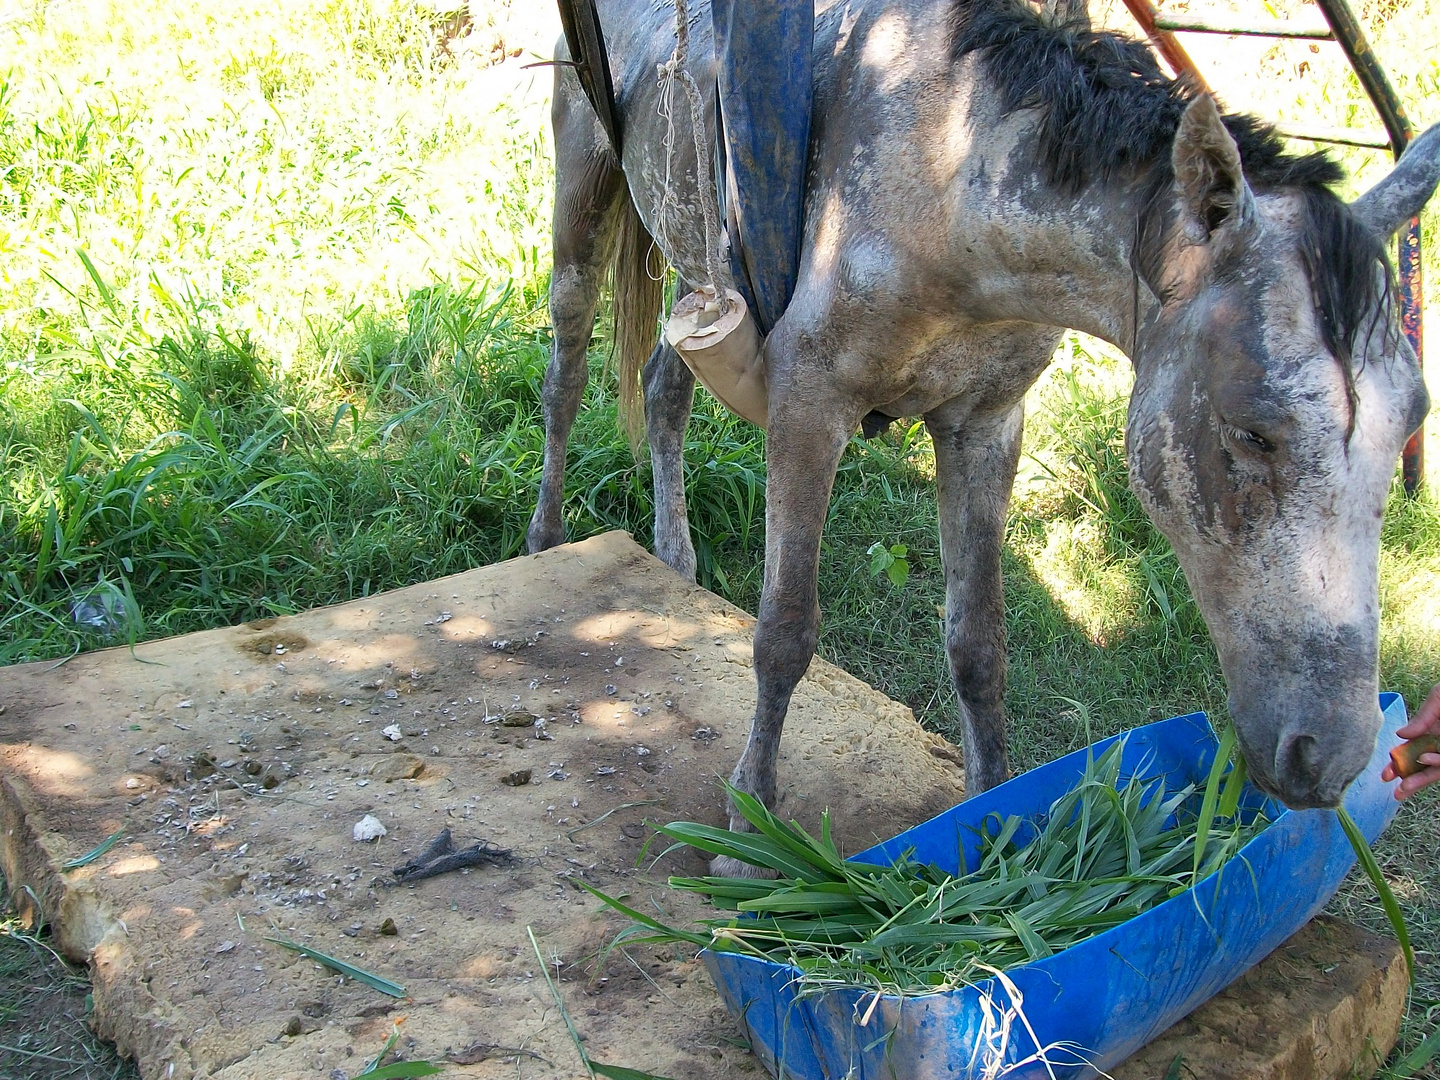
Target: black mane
[[1109, 112], [1108, 109]]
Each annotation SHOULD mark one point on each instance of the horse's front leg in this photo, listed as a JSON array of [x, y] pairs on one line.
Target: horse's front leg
[[806, 434], [975, 461], [669, 393]]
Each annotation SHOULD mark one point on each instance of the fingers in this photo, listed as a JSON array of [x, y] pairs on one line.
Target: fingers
[[1411, 784], [1426, 718]]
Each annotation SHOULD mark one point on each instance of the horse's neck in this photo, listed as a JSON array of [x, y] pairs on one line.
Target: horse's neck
[[916, 162]]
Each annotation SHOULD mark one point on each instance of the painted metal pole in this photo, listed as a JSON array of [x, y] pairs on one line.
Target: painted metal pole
[[1166, 43], [1276, 29], [1351, 36]]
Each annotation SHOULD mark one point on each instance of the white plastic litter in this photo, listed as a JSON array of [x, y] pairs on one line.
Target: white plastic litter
[[368, 828]]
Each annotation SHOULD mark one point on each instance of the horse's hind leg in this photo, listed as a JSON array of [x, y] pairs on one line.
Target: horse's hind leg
[[588, 188], [669, 393], [975, 461]]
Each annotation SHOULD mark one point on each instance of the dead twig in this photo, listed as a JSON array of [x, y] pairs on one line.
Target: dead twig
[[441, 857]]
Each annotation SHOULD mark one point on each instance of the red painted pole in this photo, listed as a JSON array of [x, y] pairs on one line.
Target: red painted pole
[[1166, 43], [1412, 301]]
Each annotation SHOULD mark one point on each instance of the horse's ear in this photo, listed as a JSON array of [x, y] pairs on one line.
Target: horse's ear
[[1212, 187], [1399, 197]]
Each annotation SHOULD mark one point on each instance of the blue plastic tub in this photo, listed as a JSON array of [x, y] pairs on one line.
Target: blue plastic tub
[[1095, 1003]]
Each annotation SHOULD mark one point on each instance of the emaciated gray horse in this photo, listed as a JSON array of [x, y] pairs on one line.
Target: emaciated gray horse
[[981, 175]]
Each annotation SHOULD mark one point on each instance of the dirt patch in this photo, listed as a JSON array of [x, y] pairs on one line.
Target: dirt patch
[[264, 638], [239, 775]]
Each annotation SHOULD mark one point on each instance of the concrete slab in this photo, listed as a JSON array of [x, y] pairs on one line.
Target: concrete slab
[[238, 761]]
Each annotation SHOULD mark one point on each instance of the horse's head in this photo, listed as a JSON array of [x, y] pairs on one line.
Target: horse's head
[[1273, 394]]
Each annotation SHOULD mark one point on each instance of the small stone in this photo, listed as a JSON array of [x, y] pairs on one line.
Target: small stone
[[224, 947], [399, 767], [293, 1026], [391, 694], [518, 718], [368, 828], [388, 927], [518, 778]]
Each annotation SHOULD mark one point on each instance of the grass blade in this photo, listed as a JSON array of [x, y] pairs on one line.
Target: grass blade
[[1034, 944], [1411, 1064], [369, 978], [1377, 878], [1234, 785], [94, 853], [401, 1070], [560, 1004], [645, 920], [1212, 794], [619, 1072]]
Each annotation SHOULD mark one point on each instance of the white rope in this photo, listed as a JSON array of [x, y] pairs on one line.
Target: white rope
[[668, 74]]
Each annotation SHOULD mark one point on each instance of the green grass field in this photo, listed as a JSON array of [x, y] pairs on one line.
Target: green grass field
[[272, 331]]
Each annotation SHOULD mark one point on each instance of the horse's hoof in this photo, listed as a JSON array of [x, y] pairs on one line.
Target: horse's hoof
[[724, 866]]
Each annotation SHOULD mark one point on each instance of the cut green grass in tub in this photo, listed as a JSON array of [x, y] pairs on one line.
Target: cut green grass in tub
[[1104, 852]]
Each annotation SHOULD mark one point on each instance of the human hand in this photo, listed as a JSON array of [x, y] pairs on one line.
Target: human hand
[[1424, 722]]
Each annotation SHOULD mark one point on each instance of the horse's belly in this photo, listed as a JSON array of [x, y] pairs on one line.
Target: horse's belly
[[982, 369]]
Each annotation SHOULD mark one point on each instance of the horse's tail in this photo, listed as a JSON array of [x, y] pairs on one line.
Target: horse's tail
[[639, 302]]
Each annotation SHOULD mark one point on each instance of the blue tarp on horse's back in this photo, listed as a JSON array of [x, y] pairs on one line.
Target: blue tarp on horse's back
[[764, 66]]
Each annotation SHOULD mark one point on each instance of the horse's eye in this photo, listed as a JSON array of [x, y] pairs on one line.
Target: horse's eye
[[1249, 439]]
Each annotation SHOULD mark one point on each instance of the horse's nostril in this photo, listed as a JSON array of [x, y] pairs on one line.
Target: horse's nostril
[[1297, 764]]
